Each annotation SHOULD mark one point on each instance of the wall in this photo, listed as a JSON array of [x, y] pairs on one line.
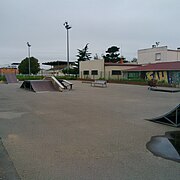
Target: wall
[[148, 55], [105, 71], [173, 55], [90, 66], [171, 77], [120, 67], [159, 75]]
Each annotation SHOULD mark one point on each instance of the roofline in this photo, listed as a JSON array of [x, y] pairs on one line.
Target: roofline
[[152, 70], [50, 63], [153, 48], [118, 64], [176, 50]]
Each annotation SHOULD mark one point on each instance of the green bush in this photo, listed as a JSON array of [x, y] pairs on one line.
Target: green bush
[[2, 78], [27, 77], [67, 77]]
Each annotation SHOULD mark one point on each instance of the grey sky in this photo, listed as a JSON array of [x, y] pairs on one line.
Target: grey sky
[[128, 24]]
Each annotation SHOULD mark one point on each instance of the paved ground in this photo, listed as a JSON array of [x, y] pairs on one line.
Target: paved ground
[[85, 134]]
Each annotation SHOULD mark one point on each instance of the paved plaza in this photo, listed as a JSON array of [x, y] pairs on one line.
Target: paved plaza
[[89, 133]]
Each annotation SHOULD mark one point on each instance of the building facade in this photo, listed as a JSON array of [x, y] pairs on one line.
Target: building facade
[[158, 54], [98, 69], [93, 69], [8, 70], [166, 72]]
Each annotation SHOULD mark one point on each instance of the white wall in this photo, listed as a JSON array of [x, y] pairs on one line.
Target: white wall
[[104, 70], [120, 67], [148, 55], [90, 66], [173, 55]]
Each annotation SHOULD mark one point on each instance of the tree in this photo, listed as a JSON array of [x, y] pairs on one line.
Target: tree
[[112, 54], [83, 55], [24, 66]]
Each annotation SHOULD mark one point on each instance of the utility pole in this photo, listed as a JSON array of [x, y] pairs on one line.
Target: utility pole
[[66, 25], [29, 46]]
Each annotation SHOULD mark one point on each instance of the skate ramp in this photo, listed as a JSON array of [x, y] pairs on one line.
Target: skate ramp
[[166, 146], [165, 89], [171, 118], [61, 84], [11, 78], [57, 84], [39, 85]]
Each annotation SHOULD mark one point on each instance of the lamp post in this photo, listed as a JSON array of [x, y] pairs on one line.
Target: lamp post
[[66, 25], [29, 57]]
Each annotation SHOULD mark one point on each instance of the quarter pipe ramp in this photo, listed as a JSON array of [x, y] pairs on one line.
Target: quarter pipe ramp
[[38, 85], [11, 78], [171, 118]]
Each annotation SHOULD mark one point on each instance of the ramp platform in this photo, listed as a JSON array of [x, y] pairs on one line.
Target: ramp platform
[[11, 78], [164, 89], [171, 118], [38, 85]]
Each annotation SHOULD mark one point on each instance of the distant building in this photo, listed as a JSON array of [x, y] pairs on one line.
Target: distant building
[[8, 70], [15, 65], [168, 72], [158, 54], [56, 68], [98, 69]]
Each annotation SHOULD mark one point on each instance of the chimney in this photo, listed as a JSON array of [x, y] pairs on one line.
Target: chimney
[[121, 60]]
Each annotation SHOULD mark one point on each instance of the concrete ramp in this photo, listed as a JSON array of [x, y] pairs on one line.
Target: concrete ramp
[[165, 89], [57, 83], [171, 118], [11, 78], [39, 85], [60, 84]]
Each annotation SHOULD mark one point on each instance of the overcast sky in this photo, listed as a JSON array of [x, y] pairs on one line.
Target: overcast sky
[[128, 24]]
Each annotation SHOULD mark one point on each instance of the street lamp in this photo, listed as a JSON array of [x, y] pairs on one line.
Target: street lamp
[[29, 57], [66, 25]]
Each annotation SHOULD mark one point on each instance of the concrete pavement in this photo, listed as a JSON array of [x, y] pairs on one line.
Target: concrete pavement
[[85, 134]]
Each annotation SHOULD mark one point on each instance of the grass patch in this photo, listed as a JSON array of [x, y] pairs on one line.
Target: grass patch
[[2, 78]]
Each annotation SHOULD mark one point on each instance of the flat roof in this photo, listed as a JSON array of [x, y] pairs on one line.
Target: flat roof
[[56, 63]]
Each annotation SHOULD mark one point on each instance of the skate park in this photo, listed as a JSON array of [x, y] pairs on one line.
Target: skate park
[[86, 133]]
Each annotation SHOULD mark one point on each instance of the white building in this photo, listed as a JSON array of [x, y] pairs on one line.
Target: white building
[[158, 54], [98, 69]]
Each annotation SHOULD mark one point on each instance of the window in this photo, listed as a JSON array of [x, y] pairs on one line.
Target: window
[[157, 56], [133, 75], [94, 72], [116, 72], [85, 72]]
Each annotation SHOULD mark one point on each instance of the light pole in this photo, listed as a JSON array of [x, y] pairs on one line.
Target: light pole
[[66, 25], [29, 57]]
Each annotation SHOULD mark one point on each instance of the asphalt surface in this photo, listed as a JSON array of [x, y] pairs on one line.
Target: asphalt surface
[[88, 133]]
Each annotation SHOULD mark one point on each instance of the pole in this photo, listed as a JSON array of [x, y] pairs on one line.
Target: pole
[[29, 57], [29, 61], [67, 51], [66, 25]]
